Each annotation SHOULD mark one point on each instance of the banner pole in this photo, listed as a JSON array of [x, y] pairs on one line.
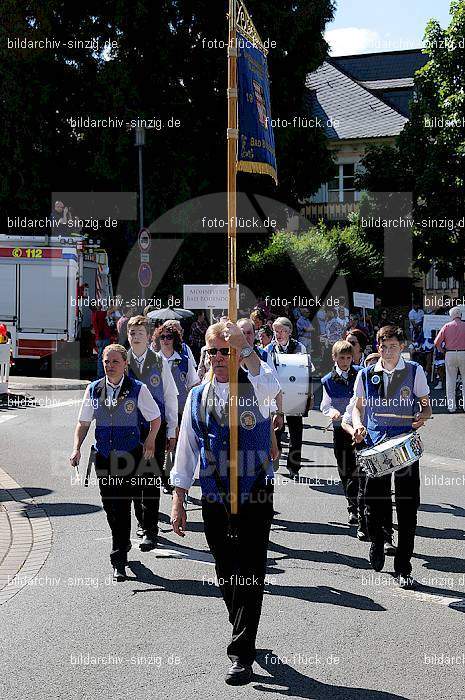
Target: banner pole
[[232, 139]]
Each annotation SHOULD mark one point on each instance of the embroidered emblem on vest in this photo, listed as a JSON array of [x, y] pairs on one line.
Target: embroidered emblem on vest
[[155, 380], [129, 406], [182, 376], [405, 392], [248, 420], [375, 379]]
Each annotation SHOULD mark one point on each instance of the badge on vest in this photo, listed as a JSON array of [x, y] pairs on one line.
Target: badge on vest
[[182, 376], [405, 392], [154, 380], [129, 406], [375, 379], [248, 420]]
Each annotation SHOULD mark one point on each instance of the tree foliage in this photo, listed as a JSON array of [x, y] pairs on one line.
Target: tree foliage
[[429, 157]]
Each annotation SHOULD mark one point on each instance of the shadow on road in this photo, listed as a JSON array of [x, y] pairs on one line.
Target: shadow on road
[[297, 685]]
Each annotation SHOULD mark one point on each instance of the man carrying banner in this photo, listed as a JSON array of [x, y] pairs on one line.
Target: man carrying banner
[[238, 542]]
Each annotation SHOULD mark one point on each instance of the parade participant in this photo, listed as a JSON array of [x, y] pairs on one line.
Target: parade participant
[[240, 562], [284, 344], [167, 339], [153, 370], [359, 341], [185, 348], [362, 531], [258, 318], [117, 403], [415, 317], [265, 336], [304, 329], [451, 338], [387, 399], [338, 388]]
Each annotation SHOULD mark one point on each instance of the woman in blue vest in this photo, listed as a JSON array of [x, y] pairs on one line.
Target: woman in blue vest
[[168, 341], [118, 404], [204, 434], [389, 395]]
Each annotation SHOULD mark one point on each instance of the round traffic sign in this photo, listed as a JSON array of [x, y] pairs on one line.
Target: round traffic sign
[[145, 275]]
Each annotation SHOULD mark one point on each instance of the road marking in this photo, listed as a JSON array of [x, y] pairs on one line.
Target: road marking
[[430, 598], [176, 553], [9, 417]]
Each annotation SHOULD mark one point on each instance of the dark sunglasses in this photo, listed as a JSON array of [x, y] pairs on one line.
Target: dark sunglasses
[[166, 337], [214, 351]]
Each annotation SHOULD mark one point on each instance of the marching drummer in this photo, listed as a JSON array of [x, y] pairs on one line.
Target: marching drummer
[[388, 395], [338, 387]]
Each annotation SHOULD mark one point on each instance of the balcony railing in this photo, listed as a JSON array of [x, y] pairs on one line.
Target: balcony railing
[[329, 211]]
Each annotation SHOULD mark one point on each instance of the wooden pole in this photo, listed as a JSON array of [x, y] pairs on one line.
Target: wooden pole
[[232, 135]]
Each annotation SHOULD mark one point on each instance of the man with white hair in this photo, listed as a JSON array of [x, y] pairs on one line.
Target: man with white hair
[[451, 340]]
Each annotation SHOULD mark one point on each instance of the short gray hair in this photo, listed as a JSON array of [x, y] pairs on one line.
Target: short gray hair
[[282, 321], [455, 312]]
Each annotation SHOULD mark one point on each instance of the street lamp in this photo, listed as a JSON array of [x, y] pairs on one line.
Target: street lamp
[[140, 143]]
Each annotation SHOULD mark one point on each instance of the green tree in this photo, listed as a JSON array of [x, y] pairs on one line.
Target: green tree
[[429, 157]]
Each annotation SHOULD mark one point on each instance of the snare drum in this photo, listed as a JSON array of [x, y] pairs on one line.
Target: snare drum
[[390, 455], [295, 377]]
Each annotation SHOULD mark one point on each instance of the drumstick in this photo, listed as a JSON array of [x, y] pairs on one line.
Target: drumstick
[[328, 426], [397, 415]]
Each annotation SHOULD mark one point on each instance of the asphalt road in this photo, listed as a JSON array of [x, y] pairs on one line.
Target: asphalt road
[[330, 628]]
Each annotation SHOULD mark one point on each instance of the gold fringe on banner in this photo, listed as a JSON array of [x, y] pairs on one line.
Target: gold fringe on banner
[[247, 166]]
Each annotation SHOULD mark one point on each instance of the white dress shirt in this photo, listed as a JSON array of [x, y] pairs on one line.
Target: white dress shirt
[[192, 378], [145, 402], [326, 406], [188, 450], [420, 386]]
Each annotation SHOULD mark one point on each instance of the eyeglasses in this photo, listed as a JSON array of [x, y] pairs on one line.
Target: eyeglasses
[[214, 351], [166, 337]]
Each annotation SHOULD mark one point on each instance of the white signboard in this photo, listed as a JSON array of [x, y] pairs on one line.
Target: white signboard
[[144, 239], [206, 296], [433, 322], [364, 301]]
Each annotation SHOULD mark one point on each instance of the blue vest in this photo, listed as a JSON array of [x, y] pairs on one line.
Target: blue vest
[[179, 370], [117, 427], [338, 390], [262, 353], [254, 465], [151, 377], [400, 400]]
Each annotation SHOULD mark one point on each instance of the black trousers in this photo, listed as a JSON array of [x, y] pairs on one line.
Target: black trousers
[[241, 567], [295, 425], [122, 479], [347, 467], [147, 508], [407, 500]]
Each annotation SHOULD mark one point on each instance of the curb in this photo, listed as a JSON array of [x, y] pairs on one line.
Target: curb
[[25, 537], [39, 384]]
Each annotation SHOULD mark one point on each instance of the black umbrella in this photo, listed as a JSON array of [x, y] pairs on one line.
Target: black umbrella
[[170, 314]]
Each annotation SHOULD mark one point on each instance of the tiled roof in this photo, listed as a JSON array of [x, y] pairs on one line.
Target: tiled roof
[[386, 84], [355, 112], [382, 66]]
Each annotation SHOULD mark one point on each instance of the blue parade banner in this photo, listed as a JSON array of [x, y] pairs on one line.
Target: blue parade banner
[[256, 147]]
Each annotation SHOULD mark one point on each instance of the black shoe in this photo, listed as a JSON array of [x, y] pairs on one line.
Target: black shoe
[[149, 542], [353, 519], [377, 554], [406, 582], [119, 573], [362, 534], [140, 532], [168, 489], [239, 674]]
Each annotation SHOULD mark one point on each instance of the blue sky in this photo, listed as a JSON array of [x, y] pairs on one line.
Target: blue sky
[[363, 26]]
